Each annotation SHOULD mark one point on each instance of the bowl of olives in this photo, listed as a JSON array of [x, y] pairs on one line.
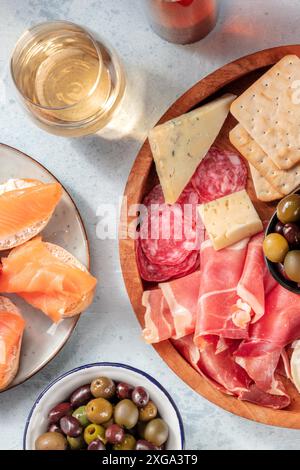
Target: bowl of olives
[[281, 245], [104, 406]]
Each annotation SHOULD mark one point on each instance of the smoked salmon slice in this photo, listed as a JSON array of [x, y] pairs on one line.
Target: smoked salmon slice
[[22, 209], [12, 327], [49, 278]]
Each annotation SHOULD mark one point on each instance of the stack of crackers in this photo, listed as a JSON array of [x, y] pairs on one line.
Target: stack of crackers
[[268, 132]]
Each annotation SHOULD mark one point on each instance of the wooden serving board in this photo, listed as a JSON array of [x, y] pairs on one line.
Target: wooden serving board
[[232, 78]]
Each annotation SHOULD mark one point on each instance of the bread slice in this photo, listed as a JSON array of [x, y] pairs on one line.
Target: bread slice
[[23, 236], [66, 257], [7, 305]]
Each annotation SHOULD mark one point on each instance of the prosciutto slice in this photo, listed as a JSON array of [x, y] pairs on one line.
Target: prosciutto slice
[[280, 325], [251, 285], [222, 368], [224, 374], [158, 320], [220, 310], [256, 281], [171, 309], [187, 349], [181, 296]]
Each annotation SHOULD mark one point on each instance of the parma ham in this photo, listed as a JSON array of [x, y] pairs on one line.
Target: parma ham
[[220, 310], [259, 355], [251, 287], [171, 309], [158, 321], [181, 296]]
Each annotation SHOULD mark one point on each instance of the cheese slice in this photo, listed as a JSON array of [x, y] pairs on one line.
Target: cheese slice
[[230, 219], [179, 145]]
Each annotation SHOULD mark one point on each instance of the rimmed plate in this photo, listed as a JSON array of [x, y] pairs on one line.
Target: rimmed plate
[[43, 340], [232, 78]]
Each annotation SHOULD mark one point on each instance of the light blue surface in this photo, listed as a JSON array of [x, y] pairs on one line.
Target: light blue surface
[[95, 170]]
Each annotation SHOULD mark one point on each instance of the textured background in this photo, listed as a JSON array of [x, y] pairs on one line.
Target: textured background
[[95, 170]]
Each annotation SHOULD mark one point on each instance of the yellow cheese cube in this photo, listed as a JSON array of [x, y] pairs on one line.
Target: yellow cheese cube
[[230, 219]]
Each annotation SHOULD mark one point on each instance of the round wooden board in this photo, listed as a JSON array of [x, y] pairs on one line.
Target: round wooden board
[[234, 78]]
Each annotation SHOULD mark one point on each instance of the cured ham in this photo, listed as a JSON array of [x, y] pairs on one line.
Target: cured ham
[[251, 284], [171, 310], [259, 355], [158, 319], [220, 310], [224, 374], [182, 297], [187, 349], [221, 367]]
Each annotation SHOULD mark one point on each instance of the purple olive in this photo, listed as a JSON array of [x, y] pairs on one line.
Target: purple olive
[[145, 445], [96, 445], [140, 397], [54, 428], [124, 390], [81, 396], [70, 426], [279, 227], [60, 410], [291, 233], [115, 434]]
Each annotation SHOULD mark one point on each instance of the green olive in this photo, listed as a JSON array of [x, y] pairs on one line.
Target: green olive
[[99, 410], [157, 432], [288, 210], [148, 412], [93, 432], [126, 414], [292, 265], [103, 387], [128, 443], [275, 247], [76, 443], [51, 441], [80, 414]]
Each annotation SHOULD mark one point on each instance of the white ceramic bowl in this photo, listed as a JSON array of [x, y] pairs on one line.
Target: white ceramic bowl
[[62, 387]]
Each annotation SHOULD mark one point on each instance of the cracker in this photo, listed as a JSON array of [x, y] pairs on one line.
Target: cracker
[[263, 190], [270, 112], [284, 181]]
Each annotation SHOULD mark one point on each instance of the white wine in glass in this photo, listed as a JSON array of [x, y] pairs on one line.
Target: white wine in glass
[[69, 81]]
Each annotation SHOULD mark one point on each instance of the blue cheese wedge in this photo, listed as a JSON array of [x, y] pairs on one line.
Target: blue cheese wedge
[[230, 219], [179, 145]]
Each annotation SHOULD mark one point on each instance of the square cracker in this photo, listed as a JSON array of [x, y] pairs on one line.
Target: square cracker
[[270, 112], [263, 190], [284, 181]]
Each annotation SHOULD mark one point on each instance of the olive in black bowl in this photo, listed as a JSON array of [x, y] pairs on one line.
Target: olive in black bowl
[[282, 243]]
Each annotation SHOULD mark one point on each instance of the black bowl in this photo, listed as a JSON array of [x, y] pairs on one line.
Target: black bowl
[[273, 267]]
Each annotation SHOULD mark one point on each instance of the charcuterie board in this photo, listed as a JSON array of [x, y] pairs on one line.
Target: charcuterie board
[[234, 78]]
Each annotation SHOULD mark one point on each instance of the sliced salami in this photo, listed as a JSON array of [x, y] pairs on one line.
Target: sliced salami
[[160, 246], [220, 173], [169, 232], [159, 273]]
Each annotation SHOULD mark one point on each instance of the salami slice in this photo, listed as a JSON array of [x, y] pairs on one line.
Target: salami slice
[[220, 173], [159, 273], [169, 233]]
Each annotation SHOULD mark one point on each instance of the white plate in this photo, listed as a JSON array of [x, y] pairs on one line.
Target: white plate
[[66, 229], [60, 389]]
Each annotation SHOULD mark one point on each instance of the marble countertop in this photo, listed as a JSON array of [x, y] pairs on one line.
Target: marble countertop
[[95, 170]]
